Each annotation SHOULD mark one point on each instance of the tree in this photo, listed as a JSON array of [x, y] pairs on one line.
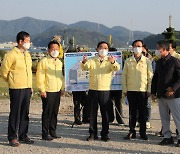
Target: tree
[[2, 53]]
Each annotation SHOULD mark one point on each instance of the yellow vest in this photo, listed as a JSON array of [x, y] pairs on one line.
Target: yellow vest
[[16, 69], [100, 73], [49, 75], [61, 51], [137, 76]]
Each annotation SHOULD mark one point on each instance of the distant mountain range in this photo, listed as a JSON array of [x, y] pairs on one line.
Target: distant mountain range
[[85, 33], [9, 29]]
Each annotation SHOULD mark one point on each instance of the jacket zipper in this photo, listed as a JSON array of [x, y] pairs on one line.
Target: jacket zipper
[[26, 68]]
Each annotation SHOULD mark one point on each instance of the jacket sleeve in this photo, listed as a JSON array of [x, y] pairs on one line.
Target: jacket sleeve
[[6, 66], [115, 66], [154, 82], [176, 85], [86, 66], [40, 76], [63, 83], [124, 78], [149, 75]]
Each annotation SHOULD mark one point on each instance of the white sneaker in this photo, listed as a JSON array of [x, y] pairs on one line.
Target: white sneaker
[[148, 125]]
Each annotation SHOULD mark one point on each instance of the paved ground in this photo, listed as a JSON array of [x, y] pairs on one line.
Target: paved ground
[[73, 139]]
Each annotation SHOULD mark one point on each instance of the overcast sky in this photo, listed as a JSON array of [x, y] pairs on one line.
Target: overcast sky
[[143, 15]]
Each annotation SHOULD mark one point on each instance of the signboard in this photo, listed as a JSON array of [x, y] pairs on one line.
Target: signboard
[[78, 80]]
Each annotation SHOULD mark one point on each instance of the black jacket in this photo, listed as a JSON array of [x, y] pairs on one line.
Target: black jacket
[[167, 74]]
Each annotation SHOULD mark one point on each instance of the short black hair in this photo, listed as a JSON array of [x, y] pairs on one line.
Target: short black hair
[[146, 47], [138, 41], [102, 42], [21, 36], [52, 42], [173, 43], [112, 49], [164, 44]]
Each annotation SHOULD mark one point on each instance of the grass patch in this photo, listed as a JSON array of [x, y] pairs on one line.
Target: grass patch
[[4, 89]]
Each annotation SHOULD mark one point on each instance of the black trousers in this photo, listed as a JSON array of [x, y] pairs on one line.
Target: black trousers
[[115, 95], [101, 97], [50, 106], [148, 111], [137, 104], [80, 99], [19, 113]]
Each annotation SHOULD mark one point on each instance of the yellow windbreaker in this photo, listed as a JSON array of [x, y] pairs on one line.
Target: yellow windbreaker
[[176, 55], [61, 51], [100, 73], [17, 69], [137, 76], [49, 75]]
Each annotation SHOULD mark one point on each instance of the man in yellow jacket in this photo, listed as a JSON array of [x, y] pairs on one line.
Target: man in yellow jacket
[[136, 84], [172, 49], [16, 70], [58, 39], [50, 82], [100, 68]]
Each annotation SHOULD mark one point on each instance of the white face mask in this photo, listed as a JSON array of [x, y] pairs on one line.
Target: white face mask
[[27, 45], [103, 52], [54, 53], [137, 50], [157, 53]]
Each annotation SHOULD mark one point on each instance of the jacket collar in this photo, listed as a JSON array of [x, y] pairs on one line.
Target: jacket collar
[[97, 58], [52, 59], [167, 57], [143, 58], [19, 51], [174, 54]]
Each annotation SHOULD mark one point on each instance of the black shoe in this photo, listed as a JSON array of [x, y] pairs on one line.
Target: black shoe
[[14, 143], [130, 136], [54, 135], [78, 122], [144, 137], [47, 138], [105, 138], [26, 140], [178, 143], [86, 121], [167, 141], [92, 138], [177, 133]]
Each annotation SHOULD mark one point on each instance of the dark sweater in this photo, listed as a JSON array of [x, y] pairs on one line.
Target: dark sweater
[[167, 74]]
